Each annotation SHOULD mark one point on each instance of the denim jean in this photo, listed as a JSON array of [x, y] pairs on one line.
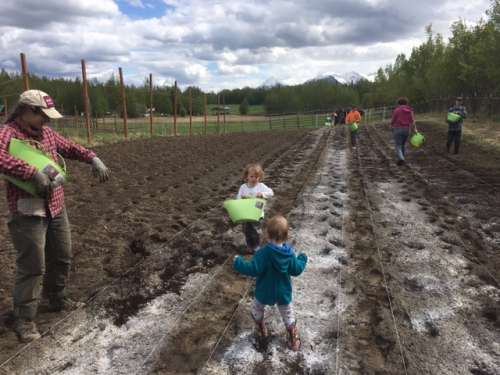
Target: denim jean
[[400, 136], [43, 246]]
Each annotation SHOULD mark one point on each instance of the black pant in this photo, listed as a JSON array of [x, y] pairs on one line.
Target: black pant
[[454, 137], [354, 137], [252, 235]]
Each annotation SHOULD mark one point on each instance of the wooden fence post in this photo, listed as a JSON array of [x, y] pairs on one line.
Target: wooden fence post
[[124, 104], [224, 113], [175, 108], [86, 102], [190, 112], [150, 104], [24, 67], [205, 110], [218, 114]]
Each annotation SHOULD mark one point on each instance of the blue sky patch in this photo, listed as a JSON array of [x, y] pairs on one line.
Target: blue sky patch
[[144, 9]]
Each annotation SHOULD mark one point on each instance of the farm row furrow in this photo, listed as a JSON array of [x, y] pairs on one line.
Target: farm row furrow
[[441, 302]]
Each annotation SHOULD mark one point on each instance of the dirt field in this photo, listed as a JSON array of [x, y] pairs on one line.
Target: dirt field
[[402, 276]]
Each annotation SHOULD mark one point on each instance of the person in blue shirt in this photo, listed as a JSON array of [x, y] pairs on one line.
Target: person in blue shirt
[[455, 127], [273, 265]]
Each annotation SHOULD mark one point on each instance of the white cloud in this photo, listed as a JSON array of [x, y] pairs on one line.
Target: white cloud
[[136, 3], [220, 44]]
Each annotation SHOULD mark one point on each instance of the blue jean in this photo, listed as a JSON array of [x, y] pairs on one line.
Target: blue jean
[[400, 136]]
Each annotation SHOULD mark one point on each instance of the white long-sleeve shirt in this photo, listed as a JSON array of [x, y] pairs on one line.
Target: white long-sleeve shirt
[[251, 192]]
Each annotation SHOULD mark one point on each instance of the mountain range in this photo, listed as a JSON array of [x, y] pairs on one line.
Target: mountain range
[[334, 78]]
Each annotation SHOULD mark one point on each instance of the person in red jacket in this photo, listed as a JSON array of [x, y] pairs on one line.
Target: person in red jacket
[[403, 120], [38, 224], [352, 120]]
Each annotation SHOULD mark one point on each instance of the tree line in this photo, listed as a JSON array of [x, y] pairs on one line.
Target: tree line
[[468, 65]]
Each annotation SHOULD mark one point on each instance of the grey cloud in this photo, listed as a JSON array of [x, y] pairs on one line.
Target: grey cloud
[[291, 25], [36, 14]]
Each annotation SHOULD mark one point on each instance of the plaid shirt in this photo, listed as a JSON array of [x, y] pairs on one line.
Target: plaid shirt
[[52, 143]]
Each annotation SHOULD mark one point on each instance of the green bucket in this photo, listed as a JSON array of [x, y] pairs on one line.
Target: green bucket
[[417, 140], [36, 158], [453, 117], [245, 210], [353, 126]]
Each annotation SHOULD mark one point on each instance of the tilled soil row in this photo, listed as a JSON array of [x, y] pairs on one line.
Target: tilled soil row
[[316, 229], [158, 188], [161, 275], [463, 201], [370, 343], [440, 297], [208, 326]]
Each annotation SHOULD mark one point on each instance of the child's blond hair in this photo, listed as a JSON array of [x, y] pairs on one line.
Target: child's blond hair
[[257, 168], [277, 229]]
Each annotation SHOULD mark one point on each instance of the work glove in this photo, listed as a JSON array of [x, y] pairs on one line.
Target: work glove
[[56, 178], [99, 170], [42, 184], [59, 180]]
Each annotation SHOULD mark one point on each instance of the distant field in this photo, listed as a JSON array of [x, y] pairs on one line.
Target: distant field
[[235, 109], [110, 130]]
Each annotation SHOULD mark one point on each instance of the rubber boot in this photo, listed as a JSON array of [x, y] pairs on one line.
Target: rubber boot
[[293, 337]]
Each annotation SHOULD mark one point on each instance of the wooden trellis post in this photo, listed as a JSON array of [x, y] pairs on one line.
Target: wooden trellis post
[[218, 114], [224, 112], [150, 104], [175, 108], [124, 104], [86, 102], [24, 67], [190, 112], [205, 110]]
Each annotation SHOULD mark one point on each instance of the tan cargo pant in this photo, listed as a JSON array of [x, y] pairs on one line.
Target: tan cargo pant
[[43, 248]]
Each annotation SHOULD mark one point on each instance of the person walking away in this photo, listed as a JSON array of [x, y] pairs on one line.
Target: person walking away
[[403, 121], [455, 125], [273, 265], [253, 188], [39, 225], [352, 120]]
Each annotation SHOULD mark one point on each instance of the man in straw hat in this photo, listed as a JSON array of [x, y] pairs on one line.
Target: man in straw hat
[[39, 225]]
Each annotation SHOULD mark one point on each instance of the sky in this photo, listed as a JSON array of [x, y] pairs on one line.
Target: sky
[[219, 44]]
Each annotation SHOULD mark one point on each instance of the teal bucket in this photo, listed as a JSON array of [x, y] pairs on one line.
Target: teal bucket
[[36, 158], [249, 210], [417, 140], [453, 117]]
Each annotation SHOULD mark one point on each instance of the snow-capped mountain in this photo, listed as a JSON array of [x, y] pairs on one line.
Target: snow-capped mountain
[[340, 78], [271, 82]]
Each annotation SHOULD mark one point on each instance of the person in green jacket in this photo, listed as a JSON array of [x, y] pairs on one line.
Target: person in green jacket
[[273, 265]]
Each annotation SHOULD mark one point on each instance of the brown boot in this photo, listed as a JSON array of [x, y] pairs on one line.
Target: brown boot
[[293, 336], [261, 329], [26, 330]]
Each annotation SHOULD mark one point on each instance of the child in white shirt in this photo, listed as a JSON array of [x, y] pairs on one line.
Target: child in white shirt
[[253, 188]]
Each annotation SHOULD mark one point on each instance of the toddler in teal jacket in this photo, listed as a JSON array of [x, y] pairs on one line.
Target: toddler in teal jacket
[[273, 265]]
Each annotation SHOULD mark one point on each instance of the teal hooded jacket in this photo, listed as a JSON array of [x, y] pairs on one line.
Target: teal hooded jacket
[[273, 265]]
